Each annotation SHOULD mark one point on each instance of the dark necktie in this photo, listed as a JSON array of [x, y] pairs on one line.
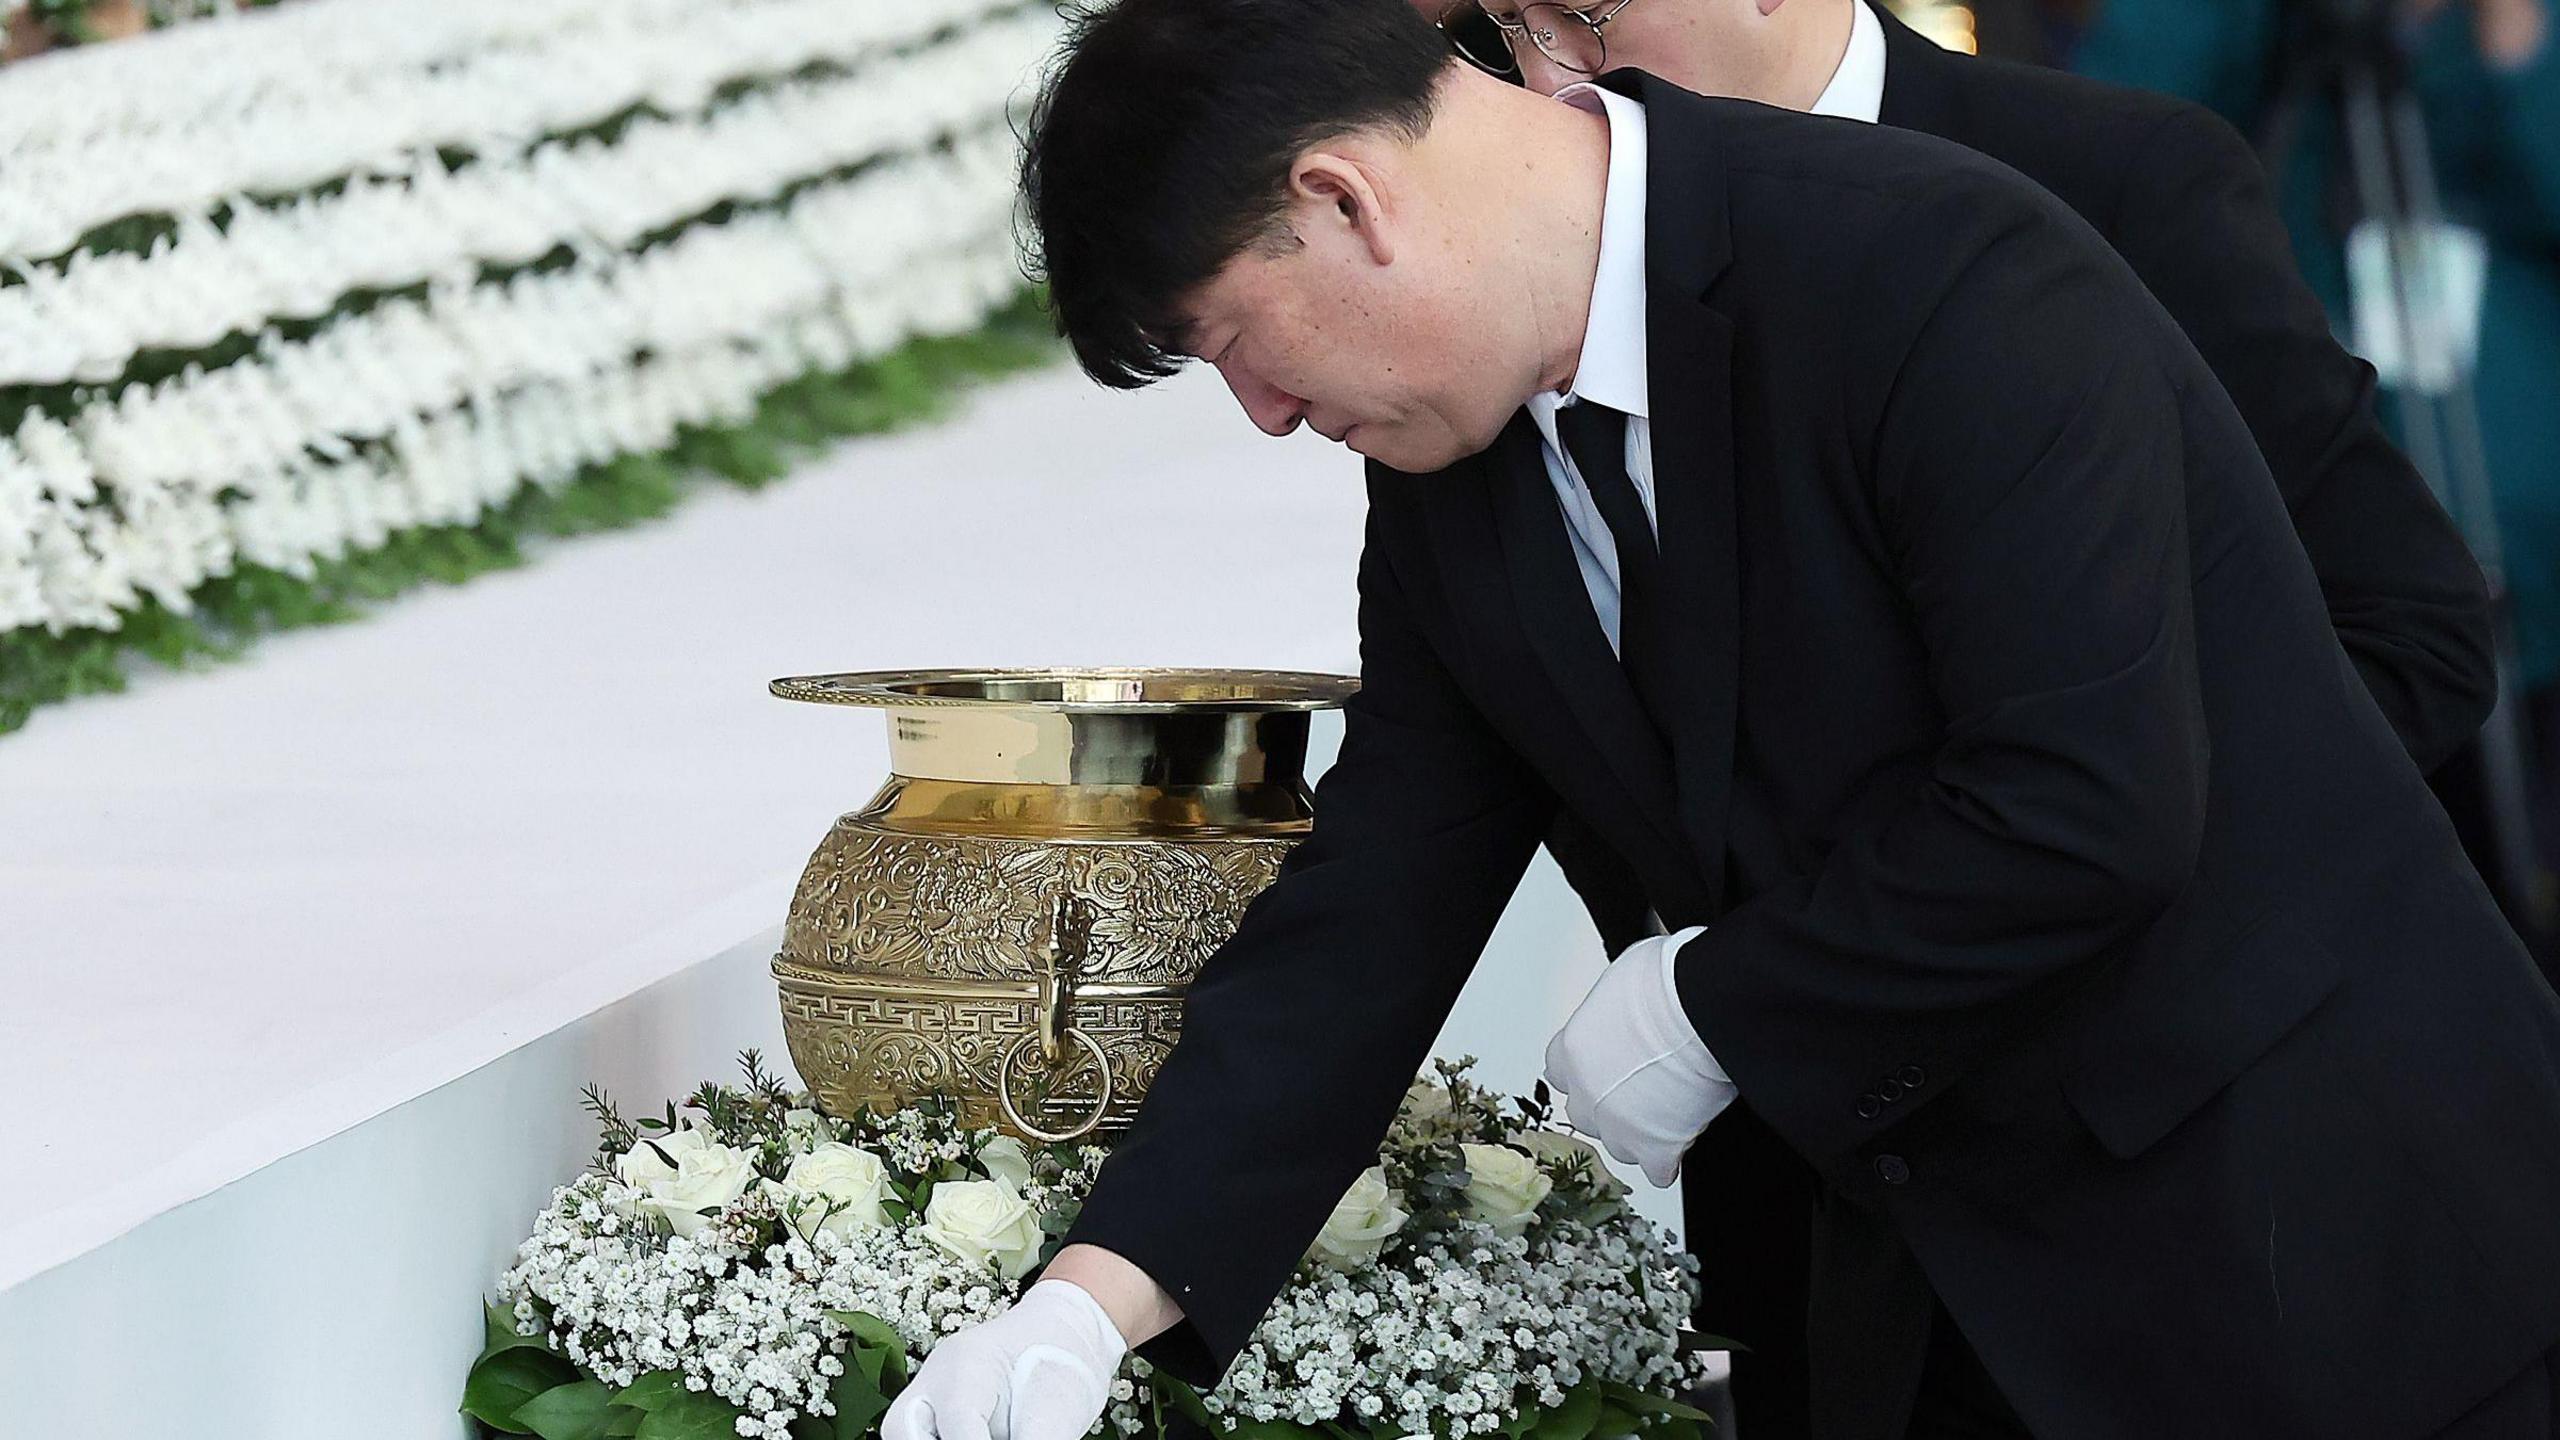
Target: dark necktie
[[1596, 437]]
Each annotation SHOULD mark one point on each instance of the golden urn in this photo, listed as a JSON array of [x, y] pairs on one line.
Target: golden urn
[[1014, 917]]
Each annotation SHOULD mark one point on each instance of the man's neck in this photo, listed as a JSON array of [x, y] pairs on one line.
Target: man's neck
[[1562, 241], [1533, 178], [1809, 52]]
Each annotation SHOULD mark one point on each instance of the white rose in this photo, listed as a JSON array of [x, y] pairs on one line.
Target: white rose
[[1504, 1186], [650, 1160], [839, 1182], [1361, 1221], [707, 1177], [806, 1130], [984, 1222], [1007, 1161], [1555, 1147]]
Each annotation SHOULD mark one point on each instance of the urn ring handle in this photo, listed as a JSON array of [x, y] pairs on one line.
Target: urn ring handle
[[1070, 933]]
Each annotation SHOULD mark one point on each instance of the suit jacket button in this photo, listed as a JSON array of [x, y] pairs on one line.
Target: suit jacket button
[[1890, 1089], [1912, 1077], [1892, 1170], [1869, 1107]]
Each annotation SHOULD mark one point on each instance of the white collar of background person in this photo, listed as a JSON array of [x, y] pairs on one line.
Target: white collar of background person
[[1856, 91]]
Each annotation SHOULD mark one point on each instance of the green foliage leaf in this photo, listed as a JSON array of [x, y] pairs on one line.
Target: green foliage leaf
[[498, 1330], [879, 1350], [1573, 1419], [1184, 1400], [499, 1385], [681, 1414], [1615, 1422], [652, 1391], [579, 1410], [1523, 1419], [859, 1403]]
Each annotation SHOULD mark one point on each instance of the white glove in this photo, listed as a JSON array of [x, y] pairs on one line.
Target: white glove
[[1040, 1371], [1635, 1075]]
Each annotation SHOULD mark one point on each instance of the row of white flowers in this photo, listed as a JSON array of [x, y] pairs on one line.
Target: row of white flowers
[[84, 317], [64, 563], [362, 421], [361, 373], [290, 98]]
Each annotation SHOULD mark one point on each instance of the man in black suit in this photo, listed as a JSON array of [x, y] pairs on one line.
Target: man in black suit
[[2179, 195], [1854, 545]]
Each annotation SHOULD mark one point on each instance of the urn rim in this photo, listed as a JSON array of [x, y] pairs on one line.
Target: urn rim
[[1078, 690]]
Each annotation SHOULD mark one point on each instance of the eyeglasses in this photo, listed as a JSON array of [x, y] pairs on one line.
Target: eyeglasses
[[1571, 39]]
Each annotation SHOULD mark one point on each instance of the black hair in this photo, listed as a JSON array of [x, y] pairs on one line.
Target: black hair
[[1161, 143]]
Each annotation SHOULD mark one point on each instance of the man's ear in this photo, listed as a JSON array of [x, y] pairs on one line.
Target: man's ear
[[1330, 188]]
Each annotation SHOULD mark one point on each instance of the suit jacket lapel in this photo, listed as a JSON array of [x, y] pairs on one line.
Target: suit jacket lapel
[[1689, 354]]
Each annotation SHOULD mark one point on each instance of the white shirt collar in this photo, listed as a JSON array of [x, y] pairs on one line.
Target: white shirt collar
[[1612, 370], [1856, 91]]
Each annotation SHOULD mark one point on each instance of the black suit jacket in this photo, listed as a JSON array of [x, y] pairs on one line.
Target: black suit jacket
[[2222, 1101]]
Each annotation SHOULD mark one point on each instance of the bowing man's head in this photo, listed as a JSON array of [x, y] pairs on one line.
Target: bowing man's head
[[1361, 233]]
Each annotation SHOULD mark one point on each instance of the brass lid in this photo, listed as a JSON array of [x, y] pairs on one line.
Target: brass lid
[[1108, 690], [1164, 729]]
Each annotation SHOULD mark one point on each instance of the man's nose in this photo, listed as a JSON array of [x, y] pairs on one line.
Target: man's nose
[[1274, 411]]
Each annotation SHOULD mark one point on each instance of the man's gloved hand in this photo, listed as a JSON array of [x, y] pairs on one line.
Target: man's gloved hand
[[1635, 1075], [1040, 1371]]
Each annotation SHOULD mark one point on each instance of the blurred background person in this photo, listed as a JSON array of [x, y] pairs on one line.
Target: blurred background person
[[2039, 32], [2481, 84]]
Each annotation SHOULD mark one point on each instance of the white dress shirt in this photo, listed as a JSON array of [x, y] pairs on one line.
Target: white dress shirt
[[1611, 370]]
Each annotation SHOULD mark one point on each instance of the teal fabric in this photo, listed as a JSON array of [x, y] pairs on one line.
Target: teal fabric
[[2495, 137]]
